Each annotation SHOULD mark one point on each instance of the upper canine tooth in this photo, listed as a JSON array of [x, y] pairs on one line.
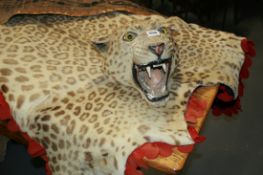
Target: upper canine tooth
[[148, 69], [164, 67]]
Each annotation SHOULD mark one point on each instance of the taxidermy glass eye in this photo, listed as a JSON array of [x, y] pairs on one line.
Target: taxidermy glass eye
[[129, 36], [163, 30]]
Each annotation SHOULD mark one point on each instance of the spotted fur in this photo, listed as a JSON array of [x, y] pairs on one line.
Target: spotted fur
[[63, 91]]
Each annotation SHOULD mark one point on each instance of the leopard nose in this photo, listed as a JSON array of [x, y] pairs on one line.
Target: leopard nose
[[157, 49]]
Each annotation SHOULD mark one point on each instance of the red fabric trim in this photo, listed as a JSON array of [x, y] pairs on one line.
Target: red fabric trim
[[195, 136], [4, 109], [34, 149], [186, 148], [229, 106], [195, 109], [149, 151]]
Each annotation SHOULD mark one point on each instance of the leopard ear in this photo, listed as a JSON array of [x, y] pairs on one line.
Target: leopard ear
[[175, 24], [173, 30], [101, 44]]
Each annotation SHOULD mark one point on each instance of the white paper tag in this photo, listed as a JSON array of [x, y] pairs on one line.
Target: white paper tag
[[151, 33]]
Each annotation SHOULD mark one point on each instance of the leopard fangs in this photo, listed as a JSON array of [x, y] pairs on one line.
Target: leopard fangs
[[164, 68], [148, 69]]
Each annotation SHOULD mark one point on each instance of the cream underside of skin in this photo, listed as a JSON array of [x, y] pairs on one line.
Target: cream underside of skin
[[165, 124]]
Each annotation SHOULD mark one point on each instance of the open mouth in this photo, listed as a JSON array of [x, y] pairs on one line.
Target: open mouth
[[152, 78]]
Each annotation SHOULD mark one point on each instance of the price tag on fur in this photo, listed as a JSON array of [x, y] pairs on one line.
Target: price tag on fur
[[151, 33]]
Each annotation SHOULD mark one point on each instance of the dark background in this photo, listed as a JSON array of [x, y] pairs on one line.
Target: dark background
[[234, 145]]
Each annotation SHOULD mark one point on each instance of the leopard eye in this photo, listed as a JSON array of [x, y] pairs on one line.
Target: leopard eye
[[129, 36], [163, 30]]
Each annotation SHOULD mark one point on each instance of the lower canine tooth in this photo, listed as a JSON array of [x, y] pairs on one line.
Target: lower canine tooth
[[164, 68], [148, 69]]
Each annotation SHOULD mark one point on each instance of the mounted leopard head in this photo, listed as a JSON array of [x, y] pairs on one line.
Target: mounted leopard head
[[142, 56]]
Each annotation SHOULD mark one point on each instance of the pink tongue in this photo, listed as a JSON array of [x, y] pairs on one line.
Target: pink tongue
[[156, 76]]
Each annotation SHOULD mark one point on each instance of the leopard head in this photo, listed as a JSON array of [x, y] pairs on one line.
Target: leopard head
[[142, 56]]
